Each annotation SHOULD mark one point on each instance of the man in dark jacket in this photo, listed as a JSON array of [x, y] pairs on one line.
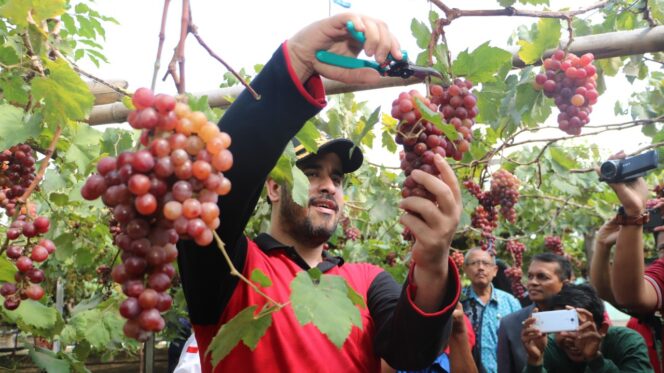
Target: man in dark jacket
[[407, 326], [546, 276]]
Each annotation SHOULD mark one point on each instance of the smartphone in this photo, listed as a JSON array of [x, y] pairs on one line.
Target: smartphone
[[556, 321], [654, 221]]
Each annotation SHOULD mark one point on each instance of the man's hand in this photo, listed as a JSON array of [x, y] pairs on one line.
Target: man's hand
[[330, 34], [534, 342], [588, 339], [433, 224], [633, 195], [607, 235], [458, 320]]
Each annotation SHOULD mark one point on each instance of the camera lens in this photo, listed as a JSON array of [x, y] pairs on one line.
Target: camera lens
[[608, 169]]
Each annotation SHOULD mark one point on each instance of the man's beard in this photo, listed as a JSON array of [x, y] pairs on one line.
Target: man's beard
[[298, 224]]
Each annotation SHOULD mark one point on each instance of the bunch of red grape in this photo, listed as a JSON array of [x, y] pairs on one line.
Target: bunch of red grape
[[659, 190], [158, 194], [554, 244], [505, 192], [571, 81], [516, 249], [17, 171], [25, 252], [421, 139], [457, 258], [351, 233], [391, 259]]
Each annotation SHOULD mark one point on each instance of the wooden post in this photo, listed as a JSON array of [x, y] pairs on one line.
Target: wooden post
[[607, 45]]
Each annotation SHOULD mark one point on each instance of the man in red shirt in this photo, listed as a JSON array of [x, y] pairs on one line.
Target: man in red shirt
[[407, 326]]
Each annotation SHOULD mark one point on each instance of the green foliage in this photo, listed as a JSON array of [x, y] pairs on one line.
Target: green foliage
[[324, 301], [548, 36], [246, 326], [15, 129], [66, 97], [482, 64]]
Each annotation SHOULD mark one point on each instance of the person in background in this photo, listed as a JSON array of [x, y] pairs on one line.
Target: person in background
[[593, 347], [648, 325], [547, 274], [485, 305]]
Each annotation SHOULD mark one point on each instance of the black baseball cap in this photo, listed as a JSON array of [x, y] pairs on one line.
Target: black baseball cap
[[351, 156]]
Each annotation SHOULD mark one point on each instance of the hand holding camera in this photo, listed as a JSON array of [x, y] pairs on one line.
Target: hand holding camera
[[624, 175]]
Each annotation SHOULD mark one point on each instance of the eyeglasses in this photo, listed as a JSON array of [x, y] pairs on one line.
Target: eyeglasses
[[477, 263]]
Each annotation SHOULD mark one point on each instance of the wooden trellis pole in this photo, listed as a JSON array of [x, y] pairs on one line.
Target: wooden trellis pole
[[607, 45]]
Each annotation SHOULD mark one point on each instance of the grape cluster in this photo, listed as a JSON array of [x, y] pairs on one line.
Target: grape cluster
[[25, 248], [157, 194], [17, 171], [571, 81], [516, 249], [457, 258], [659, 190], [391, 259], [505, 192], [554, 244], [421, 139], [352, 233]]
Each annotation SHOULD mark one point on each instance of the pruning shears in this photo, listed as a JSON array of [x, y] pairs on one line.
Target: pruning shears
[[402, 68]]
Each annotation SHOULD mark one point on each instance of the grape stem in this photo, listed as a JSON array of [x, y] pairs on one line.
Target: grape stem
[[160, 47], [194, 31], [235, 272]]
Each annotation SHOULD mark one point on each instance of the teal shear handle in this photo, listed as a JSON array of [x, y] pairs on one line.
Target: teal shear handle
[[392, 67], [351, 62]]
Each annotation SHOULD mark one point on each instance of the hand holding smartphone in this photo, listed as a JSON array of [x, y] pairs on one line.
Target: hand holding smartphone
[[556, 321]]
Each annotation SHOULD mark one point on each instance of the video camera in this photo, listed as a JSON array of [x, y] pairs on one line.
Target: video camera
[[628, 169]]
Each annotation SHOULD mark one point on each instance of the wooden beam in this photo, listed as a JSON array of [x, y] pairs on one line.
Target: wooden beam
[[607, 45]]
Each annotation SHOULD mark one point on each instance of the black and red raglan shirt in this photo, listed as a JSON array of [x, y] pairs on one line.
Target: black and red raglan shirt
[[393, 328]]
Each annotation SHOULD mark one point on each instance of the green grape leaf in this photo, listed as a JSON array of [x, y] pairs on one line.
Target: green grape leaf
[[482, 64], [245, 327], [49, 361], [34, 317], [14, 89], [8, 56], [7, 270], [562, 158], [548, 36], [282, 171], [45, 9], [84, 147], [369, 124], [300, 191], [421, 33], [388, 142], [506, 3], [261, 278], [66, 97], [308, 136], [94, 331], [324, 302], [435, 118], [13, 129], [657, 10]]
